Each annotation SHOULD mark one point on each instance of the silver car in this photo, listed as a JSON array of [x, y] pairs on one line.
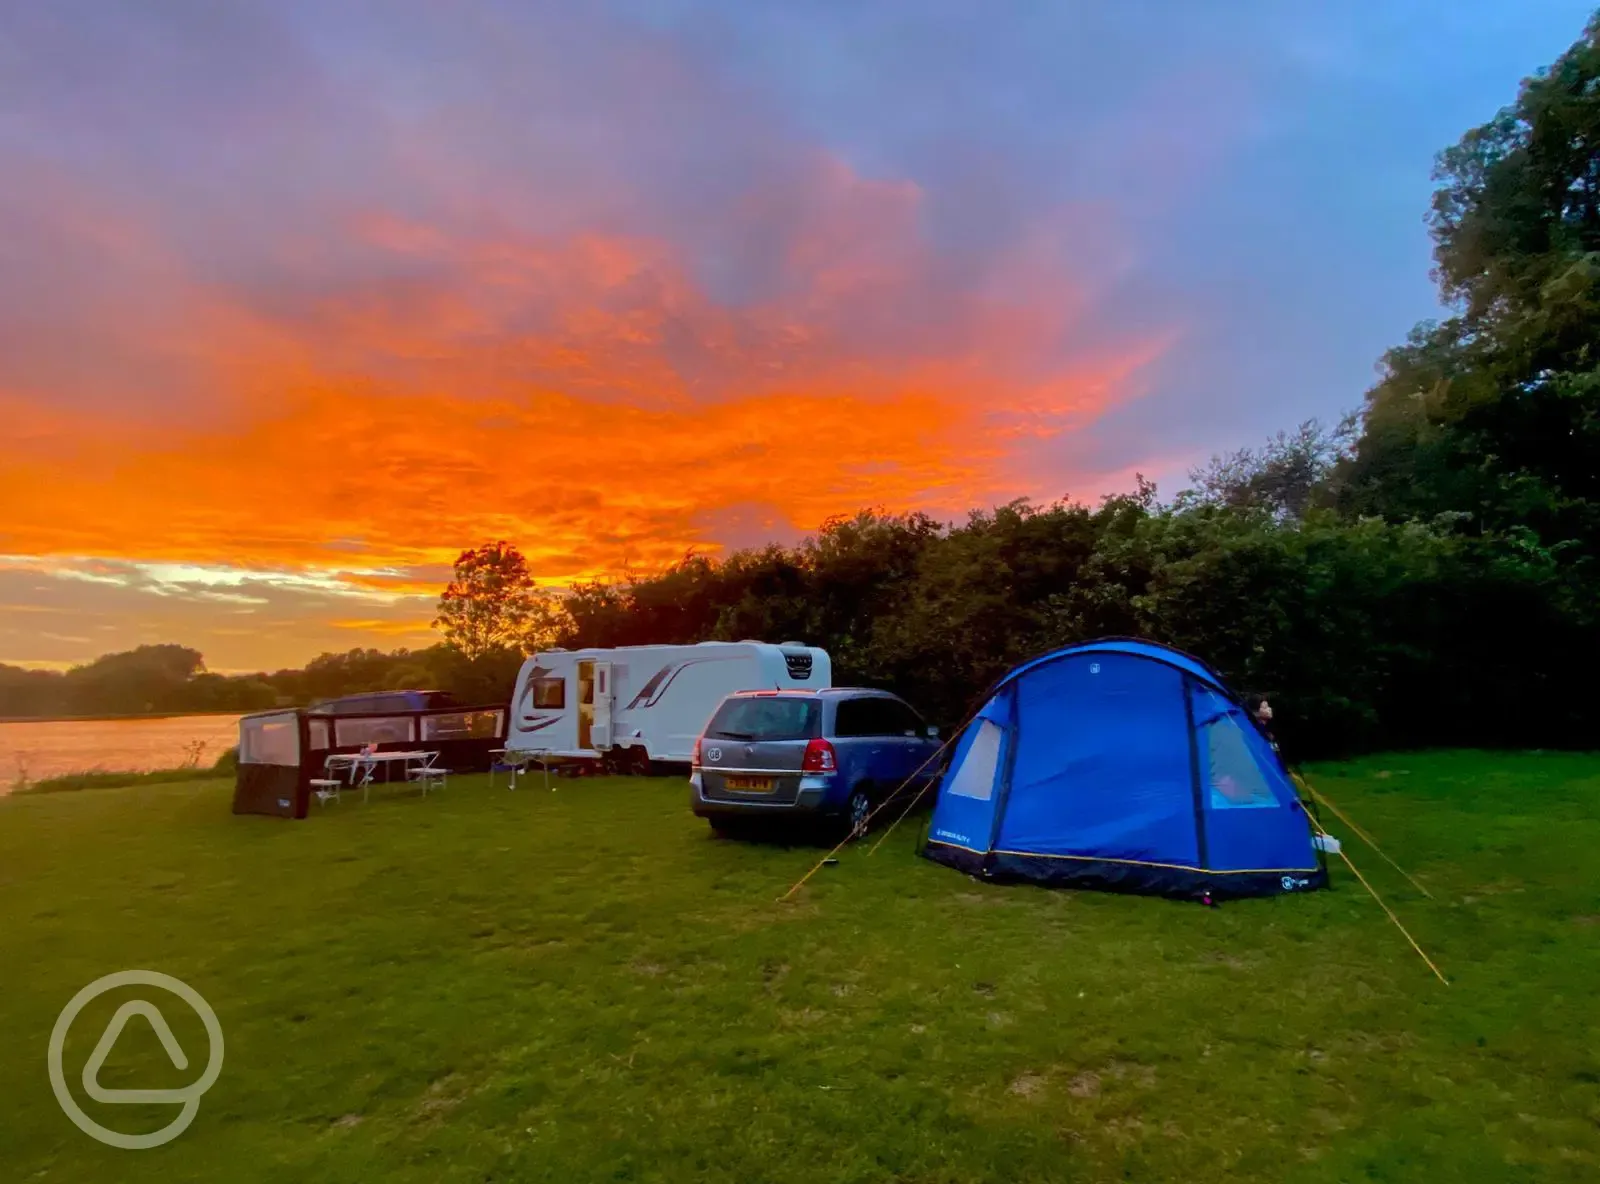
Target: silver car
[[836, 753]]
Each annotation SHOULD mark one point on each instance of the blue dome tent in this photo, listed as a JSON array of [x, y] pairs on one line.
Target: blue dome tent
[[1126, 765]]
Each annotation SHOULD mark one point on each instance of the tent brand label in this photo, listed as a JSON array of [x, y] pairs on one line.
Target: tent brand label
[[1290, 883], [953, 837]]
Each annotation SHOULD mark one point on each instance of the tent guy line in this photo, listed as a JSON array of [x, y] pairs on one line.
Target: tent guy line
[[1319, 796]]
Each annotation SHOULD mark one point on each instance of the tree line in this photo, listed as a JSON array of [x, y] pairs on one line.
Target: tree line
[[172, 679], [1423, 572]]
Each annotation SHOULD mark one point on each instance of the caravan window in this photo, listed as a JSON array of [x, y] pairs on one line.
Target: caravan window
[[549, 693]]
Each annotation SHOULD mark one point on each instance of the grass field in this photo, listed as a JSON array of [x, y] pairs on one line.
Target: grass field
[[584, 985]]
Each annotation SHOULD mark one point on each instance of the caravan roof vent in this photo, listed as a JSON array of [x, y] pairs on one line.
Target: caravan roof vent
[[793, 645], [799, 664]]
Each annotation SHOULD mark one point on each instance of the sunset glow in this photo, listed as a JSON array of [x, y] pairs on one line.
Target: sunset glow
[[282, 335]]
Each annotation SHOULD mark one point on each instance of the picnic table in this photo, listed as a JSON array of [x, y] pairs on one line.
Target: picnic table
[[417, 765]]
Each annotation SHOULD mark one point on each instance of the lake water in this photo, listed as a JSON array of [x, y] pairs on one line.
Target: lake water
[[51, 748]]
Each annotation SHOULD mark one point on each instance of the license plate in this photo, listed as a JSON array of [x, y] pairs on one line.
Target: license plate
[[748, 784]]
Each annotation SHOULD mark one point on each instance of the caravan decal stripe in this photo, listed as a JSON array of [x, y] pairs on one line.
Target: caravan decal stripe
[[1180, 867]]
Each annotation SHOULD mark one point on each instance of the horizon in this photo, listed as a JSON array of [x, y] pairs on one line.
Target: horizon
[[295, 306]]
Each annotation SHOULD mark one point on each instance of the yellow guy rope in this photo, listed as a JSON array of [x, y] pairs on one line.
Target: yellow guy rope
[[1344, 818], [933, 757], [911, 805], [1318, 828], [1395, 919]]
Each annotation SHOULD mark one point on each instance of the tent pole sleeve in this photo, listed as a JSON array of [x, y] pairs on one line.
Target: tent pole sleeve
[[1194, 775]]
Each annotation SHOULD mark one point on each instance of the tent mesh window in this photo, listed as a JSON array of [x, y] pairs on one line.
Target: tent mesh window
[[458, 725], [270, 740], [354, 731], [975, 778], [1234, 780]]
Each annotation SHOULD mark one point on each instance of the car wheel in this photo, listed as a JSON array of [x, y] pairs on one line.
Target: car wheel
[[856, 812]]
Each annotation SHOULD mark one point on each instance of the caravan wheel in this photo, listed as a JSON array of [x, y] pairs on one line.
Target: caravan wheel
[[638, 763]]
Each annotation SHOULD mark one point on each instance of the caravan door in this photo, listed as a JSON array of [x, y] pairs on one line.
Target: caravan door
[[600, 725], [585, 704]]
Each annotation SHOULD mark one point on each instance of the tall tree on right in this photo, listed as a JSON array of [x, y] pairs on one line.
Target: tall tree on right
[[1494, 413]]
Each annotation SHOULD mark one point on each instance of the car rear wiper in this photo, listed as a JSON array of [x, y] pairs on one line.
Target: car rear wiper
[[736, 735]]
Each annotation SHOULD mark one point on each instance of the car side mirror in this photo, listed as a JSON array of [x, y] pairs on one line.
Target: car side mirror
[[933, 732]]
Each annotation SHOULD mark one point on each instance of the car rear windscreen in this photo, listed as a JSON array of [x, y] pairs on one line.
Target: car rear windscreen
[[765, 719]]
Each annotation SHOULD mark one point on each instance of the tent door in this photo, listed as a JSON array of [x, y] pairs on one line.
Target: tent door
[[600, 727]]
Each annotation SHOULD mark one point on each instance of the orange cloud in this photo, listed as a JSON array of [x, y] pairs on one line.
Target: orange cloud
[[590, 398], [377, 625]]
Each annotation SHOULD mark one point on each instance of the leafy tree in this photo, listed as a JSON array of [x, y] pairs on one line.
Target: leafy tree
[[493, 604], [31, 692], [488, 678], [149, 678], [1494, 413], [1285, 477], [597, 612], [327, 676]]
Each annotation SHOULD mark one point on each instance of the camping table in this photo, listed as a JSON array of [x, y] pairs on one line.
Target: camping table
[[366, 762], [519, 759]]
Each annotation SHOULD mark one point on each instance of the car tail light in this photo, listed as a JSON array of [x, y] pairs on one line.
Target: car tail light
[[819, 758], [695, 759]]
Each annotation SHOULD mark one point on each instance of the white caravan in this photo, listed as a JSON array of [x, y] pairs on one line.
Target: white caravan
[[640, 704]]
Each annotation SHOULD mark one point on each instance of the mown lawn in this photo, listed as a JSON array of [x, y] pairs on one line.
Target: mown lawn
[[584, 985]]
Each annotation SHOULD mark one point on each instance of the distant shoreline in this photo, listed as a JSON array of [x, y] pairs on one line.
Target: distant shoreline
[[81, 719]]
